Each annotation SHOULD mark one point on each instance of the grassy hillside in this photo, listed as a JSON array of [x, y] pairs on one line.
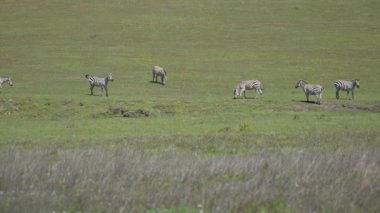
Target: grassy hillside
[[195, 148]]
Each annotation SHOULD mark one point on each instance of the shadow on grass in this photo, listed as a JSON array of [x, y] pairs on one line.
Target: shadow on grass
[[97, 95], [306, 102], [156, 82], [246, 98]]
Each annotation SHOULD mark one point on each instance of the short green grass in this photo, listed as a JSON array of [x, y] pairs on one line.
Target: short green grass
[[207, 47]]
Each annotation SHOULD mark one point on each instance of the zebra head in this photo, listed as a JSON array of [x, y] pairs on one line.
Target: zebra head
[[356, 83], [10, 81], [300, 83], [110, 77], [236, 91], [165, 76]]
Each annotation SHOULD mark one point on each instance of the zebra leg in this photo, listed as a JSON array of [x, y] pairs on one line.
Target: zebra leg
[[307, 97], [261, 92], [348, 92], [92, 89], [352, 93], [105, 88], [257, 93], [337, 94], [242, 91], [319, 97]]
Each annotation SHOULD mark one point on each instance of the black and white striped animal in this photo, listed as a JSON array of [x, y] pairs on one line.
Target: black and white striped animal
[[346, 86], [248, 85], [311, 89], [99, 82], [5, 79], [158, 71]]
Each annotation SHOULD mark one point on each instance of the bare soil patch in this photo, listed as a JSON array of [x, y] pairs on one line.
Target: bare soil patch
[[127, 113], [337, 107]]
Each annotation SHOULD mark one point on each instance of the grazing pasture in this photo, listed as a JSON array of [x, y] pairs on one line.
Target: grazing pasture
[[188, 146]]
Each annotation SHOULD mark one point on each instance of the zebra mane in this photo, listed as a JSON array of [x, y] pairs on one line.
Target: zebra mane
[[301, 80]]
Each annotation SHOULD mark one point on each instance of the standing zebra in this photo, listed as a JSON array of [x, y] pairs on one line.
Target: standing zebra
[[5, 79], [99, 82], [346, 86], [248, 85], [311, 89], [158, 71]]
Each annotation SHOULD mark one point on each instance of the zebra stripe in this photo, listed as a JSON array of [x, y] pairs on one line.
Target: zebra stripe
[[5, 79], [158, 71], [346, 86], [311, 89], [248, 85], [99, 82]]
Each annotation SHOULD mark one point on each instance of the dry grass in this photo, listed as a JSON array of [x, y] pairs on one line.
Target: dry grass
[[119, 179]]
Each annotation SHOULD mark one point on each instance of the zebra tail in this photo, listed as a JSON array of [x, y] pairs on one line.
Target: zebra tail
[[86, 76]]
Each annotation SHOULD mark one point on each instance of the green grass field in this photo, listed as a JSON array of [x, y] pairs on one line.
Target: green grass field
[[198, 150]]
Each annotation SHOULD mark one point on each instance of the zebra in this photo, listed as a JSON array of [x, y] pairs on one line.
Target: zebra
[[311, 89], [248, 85], [158, 71], [99, 82], [346, 86], [5, 79]]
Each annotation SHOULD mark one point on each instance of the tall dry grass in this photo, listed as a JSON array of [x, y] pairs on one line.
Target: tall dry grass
[[122, 180]]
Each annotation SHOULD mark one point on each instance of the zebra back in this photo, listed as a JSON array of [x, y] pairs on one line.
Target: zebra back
[[244, 85], [251, 84], [161, 72], [309, 88], [347, 85], [157, 70], [99, 81]]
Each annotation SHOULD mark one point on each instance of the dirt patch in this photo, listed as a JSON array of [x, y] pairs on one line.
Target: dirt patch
[[9, 107], [120, 112], [337, 107]]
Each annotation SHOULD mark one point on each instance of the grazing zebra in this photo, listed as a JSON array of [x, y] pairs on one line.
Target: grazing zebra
[[248, 85], [5, 80], [159, 71], [311, 89], [346, 86], [99, 82]]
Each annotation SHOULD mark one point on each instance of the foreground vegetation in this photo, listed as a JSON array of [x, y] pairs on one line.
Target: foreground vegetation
[[188, 146], [120, 178]]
